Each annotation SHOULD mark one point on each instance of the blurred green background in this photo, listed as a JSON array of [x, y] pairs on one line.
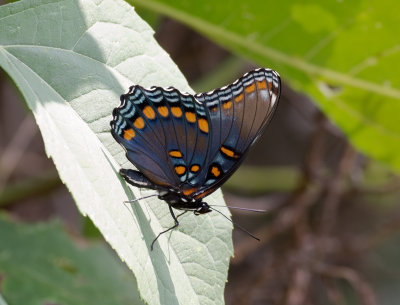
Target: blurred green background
[[325, 169]]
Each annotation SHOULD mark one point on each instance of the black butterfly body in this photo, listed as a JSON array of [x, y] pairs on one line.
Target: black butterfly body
[[186, 146]]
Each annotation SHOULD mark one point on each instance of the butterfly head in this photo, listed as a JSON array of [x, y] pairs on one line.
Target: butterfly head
[[204, 208], [181, 202]]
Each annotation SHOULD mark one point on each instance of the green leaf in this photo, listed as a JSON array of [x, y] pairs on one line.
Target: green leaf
[[40, 264], [72, 60], [345, 55]]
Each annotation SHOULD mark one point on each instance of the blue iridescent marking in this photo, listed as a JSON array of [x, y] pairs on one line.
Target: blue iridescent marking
[[129, 110]]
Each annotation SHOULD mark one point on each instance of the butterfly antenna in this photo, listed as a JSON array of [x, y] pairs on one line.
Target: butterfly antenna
[[239, 208], [236, 225], [137, 199]]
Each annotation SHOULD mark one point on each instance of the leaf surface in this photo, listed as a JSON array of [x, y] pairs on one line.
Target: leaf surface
[[72, 60]]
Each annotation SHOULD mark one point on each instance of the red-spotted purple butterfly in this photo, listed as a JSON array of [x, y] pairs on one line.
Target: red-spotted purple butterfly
[[186, 146]]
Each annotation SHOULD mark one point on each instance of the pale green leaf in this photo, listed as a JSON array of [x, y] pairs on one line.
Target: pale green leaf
[[71, 60], [344, 54]]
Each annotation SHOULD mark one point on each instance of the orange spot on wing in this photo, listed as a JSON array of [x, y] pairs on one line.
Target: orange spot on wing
[[239, 98], [149, 112], [163, 110], [194, 168], [129, 134], [139, 123], [189, 191], [227, 105], [176, 111], [190, 117], [205, 193], [215, 171], [175, 154], [203, 125], [250, 88], [180, 169], [262, 85], [214, 109], [228, 152]]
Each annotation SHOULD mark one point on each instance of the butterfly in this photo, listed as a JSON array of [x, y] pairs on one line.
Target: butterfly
[[186, 146]]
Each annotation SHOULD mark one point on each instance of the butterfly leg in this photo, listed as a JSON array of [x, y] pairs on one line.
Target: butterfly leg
[[136, 178], [173, 227], [181, 214]]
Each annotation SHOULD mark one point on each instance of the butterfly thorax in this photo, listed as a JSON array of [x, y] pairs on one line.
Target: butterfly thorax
[[173, 196], [182, 202]]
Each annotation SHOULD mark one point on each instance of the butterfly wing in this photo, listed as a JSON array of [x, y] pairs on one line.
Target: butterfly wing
[[237, 113], [194, 143], [162, 130]]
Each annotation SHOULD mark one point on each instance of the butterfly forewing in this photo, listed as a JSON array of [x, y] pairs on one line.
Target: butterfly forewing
[[245, 108], [163, 131], [137, 128]]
